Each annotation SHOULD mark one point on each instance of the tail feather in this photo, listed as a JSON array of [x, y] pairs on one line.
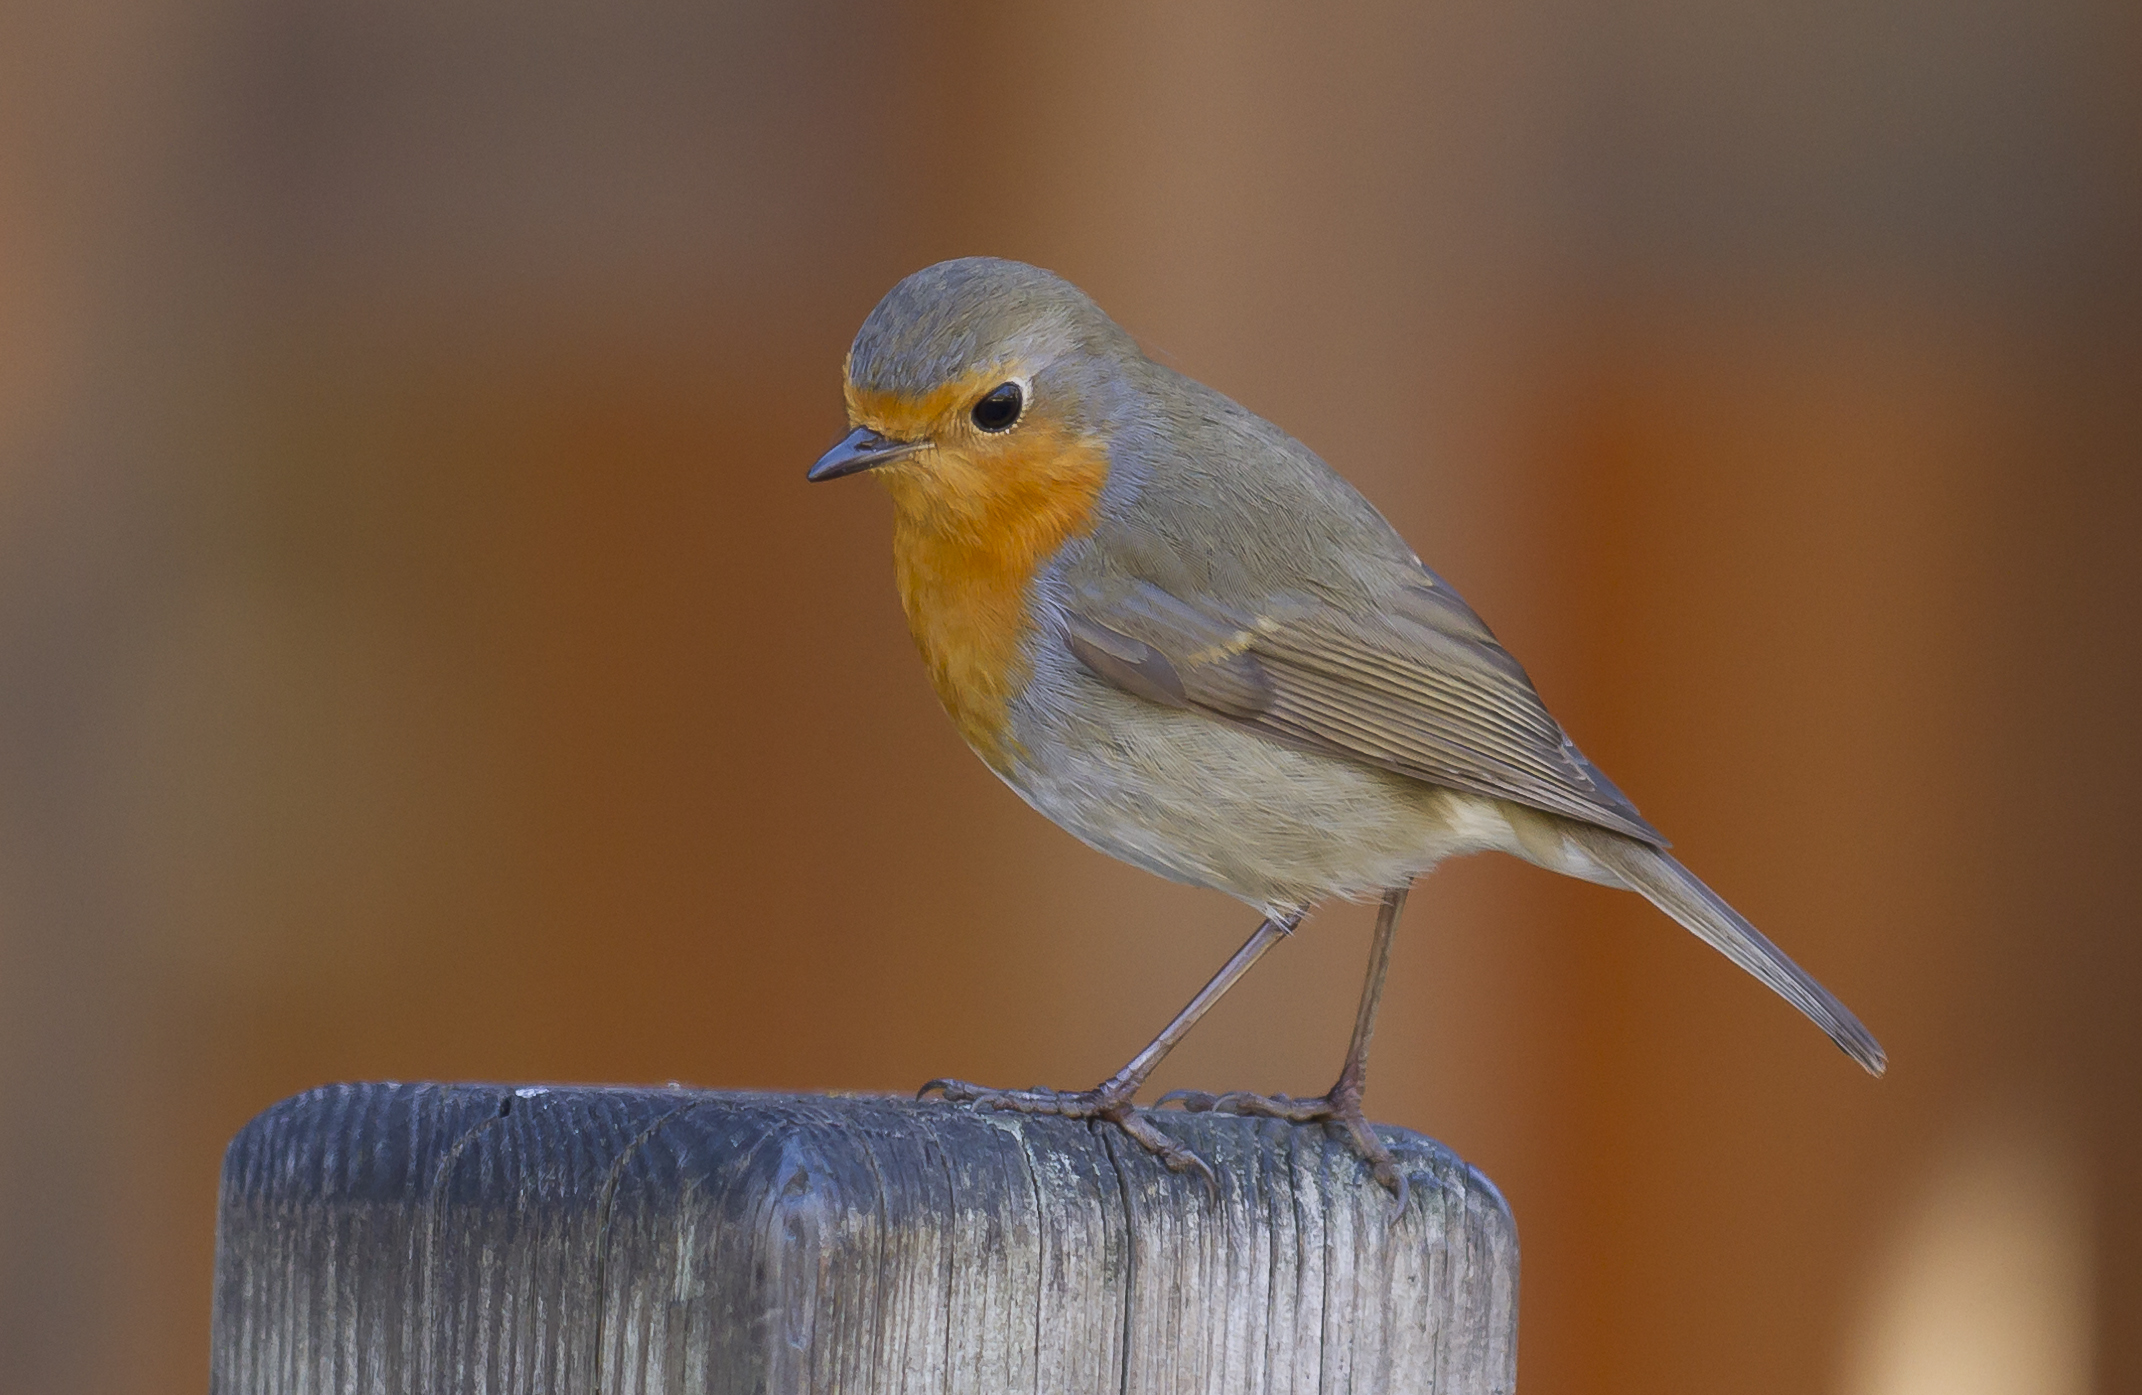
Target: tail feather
[[1675, 890]]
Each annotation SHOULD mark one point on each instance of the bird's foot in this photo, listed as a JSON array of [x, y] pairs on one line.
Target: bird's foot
[[1342, 1106], [1110, 1102]]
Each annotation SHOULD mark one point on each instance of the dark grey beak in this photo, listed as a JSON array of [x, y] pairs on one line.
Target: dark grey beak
[[861, 449]]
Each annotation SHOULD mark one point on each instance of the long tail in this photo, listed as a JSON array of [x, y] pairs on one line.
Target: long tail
[[1675, 890]]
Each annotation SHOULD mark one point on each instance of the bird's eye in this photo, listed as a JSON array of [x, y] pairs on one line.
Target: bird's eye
[[999, 411]]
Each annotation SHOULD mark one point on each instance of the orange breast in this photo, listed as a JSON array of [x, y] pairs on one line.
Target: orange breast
[[969, 535]]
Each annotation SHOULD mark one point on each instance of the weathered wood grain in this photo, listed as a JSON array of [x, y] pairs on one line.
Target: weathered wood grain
[[464, 1238]]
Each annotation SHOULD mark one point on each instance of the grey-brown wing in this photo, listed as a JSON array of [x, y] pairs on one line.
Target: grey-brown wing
[[1419, 687]]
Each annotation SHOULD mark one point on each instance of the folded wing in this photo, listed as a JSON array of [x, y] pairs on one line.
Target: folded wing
[[1419, 687]]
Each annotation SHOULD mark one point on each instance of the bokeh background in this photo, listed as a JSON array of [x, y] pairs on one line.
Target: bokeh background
[[420, 656]]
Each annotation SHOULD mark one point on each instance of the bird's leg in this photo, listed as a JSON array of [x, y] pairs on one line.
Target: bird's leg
[[1111, 1099], [1341, 1104]]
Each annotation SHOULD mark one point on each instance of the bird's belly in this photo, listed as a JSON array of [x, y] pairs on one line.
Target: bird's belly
[[1201, 800]]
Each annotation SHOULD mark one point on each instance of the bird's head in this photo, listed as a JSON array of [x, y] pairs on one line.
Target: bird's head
[[978, 390]]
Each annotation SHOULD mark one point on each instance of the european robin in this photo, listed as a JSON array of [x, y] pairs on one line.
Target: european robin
[[1175, 631]]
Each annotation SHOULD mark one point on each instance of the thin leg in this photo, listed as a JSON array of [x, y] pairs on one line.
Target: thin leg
[[1340, 1105], [1111, 1099], [1354, 1074]]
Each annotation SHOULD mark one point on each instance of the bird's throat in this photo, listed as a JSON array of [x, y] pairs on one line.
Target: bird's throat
[[969, 537]]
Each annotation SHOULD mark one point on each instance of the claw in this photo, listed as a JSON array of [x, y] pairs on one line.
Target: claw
[[1342, 1108], [1177, 1157], [1286, 1107], [1069, 1104], [1400, 1192], [1233, 1102], [1035, 1101], [1106, 1104], [1382, 1166]]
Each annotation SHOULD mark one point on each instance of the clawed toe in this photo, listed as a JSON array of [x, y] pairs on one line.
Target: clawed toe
[[1371, 1150], [1341, 1110], [961, 1092], [1175, 1155], [1294, 1111], [1109, 1105], [1395, 1182], [1067, 1104], [1382, 1166]]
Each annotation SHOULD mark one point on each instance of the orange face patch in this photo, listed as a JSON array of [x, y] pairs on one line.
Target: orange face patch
[[975, 516]]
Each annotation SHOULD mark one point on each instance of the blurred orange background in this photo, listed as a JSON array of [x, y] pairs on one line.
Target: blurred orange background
[[420, 656]]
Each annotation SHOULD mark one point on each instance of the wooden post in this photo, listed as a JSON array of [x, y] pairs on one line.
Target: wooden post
[[446, 1238]]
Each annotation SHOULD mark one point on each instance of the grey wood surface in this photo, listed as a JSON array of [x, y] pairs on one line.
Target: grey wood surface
[[450, 1238]]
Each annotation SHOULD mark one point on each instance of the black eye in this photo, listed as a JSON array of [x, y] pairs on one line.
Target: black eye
[[999, 410]]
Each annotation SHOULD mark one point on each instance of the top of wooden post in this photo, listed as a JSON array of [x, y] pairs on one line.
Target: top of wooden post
[[470, 1237]]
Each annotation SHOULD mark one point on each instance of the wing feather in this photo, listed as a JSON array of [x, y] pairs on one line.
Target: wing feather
[[1419, 688]]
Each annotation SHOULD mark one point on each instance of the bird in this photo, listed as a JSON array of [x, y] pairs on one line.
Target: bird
[[1176, 632]]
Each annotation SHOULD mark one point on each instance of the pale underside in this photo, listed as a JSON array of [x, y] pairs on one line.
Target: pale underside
[[1217, 804], [1295, 750]]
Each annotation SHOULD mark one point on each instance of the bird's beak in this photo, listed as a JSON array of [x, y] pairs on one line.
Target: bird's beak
[[861, 449]]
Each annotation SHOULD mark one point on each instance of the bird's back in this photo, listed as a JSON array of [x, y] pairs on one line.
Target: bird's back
[[1211, 501]]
